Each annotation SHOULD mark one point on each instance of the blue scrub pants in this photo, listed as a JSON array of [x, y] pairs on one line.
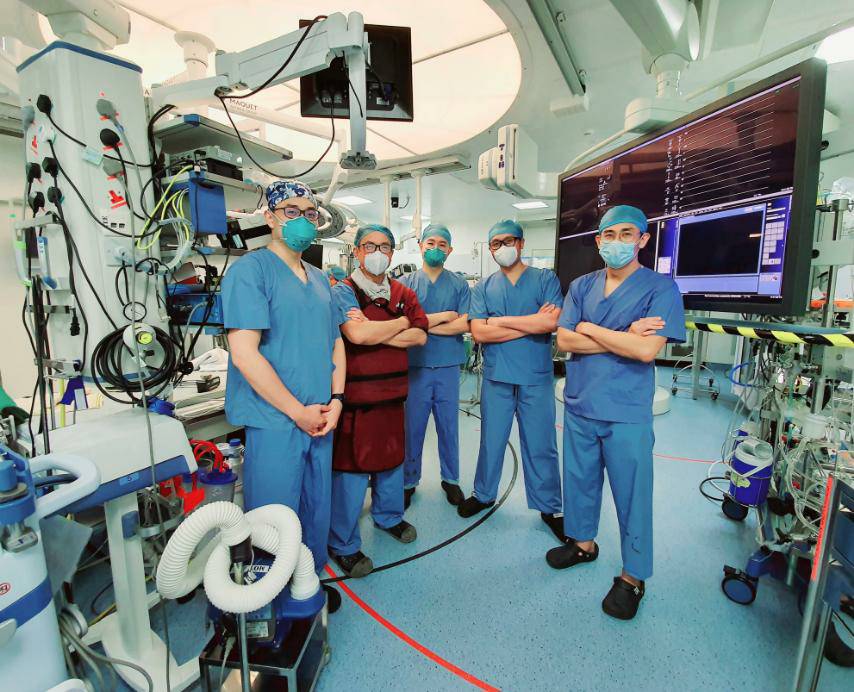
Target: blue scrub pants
[[625, 450], [348, 496], [436, 391], [534, 408], [289, 467]]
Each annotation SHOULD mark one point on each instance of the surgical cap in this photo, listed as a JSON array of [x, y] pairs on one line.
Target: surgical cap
[[504, 227], [436, 230], [373, 228], [623, 213], [336, 273], [281, 190]]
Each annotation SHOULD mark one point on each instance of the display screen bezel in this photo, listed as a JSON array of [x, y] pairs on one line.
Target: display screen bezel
[[799, 241]]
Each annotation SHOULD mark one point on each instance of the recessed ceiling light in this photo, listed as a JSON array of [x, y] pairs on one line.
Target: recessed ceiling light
[[352, 200], [837, 47], [534, 204]]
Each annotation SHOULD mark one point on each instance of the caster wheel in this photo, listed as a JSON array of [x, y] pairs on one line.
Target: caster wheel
[[734, 510], [714, 396], [673, 391], [739, 588]]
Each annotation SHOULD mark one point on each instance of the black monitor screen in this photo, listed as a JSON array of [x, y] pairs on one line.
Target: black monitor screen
[[314, 255], [388, 80], [735, 250], [719, 188]]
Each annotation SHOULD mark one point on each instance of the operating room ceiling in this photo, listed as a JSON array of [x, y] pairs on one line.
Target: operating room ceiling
[[463, 96]]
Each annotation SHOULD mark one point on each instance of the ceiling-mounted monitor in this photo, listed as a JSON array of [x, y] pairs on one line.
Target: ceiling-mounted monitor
[[388, 80], [730, 193]]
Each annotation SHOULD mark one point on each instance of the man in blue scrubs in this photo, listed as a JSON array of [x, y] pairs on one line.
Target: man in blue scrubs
[[287, 368], [513, 314], [614, 322], [434, 369]]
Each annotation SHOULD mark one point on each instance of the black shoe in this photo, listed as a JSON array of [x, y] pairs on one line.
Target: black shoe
[[471, 506], [407, 497], [356, 565], [623, 599], [569, 555], [837, 651], [453, 493], [333, 599], [555, 523], [404, 532]]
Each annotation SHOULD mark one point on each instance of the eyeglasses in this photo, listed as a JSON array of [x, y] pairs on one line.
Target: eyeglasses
[[373, 247], [507, 242], [291, 212], [625, 235]]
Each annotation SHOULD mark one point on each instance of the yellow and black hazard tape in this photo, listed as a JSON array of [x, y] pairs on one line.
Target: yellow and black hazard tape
[[839, 340]]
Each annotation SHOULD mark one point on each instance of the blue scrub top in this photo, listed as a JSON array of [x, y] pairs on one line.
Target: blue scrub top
[[449, 292], [298, 324], [604, 386], [527, 360], [344, 298]]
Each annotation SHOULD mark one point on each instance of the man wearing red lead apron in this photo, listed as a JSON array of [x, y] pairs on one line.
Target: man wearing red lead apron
[[383, 319]]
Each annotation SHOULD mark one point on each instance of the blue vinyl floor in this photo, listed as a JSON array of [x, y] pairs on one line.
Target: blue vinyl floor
[[491, 606]]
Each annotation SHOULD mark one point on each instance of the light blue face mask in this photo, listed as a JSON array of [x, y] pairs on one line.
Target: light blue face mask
[[299, 233], [616, 254]]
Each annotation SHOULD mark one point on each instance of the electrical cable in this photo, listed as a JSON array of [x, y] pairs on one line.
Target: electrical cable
[[471, 527], [252, 158], [210, 302], [107, 366], [97, 597], [125, 174], [150, 435], [325, 151], [27, 190], [842, 621], [224, 96], [38, 379], [733, 371], [82, 143], [164, 201], [358, 100], [74, 254], [287, 62], [711, 498], [85, 204], [78, 644], [89, 661]]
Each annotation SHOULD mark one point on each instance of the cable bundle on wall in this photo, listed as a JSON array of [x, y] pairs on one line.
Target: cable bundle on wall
[[107, 367]]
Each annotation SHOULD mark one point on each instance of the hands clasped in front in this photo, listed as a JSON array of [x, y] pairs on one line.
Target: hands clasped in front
[[318, 420]]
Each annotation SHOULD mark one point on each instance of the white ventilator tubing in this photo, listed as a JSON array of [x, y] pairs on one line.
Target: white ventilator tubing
[[273, 528]]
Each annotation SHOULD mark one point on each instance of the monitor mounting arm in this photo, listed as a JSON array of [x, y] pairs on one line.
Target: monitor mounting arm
[[330, 38]]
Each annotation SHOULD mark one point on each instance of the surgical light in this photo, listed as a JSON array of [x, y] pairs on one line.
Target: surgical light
[[534, 204], [352, 200], [838, 47]]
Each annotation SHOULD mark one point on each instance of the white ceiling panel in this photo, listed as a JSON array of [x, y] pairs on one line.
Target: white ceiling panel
[[437, 24]]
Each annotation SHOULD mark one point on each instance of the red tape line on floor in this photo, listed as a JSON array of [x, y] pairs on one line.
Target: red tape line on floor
[[672, 458], [420, 648]]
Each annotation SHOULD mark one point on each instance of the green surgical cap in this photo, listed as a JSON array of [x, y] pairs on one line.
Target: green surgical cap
[[373, 228], [504, 227]]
